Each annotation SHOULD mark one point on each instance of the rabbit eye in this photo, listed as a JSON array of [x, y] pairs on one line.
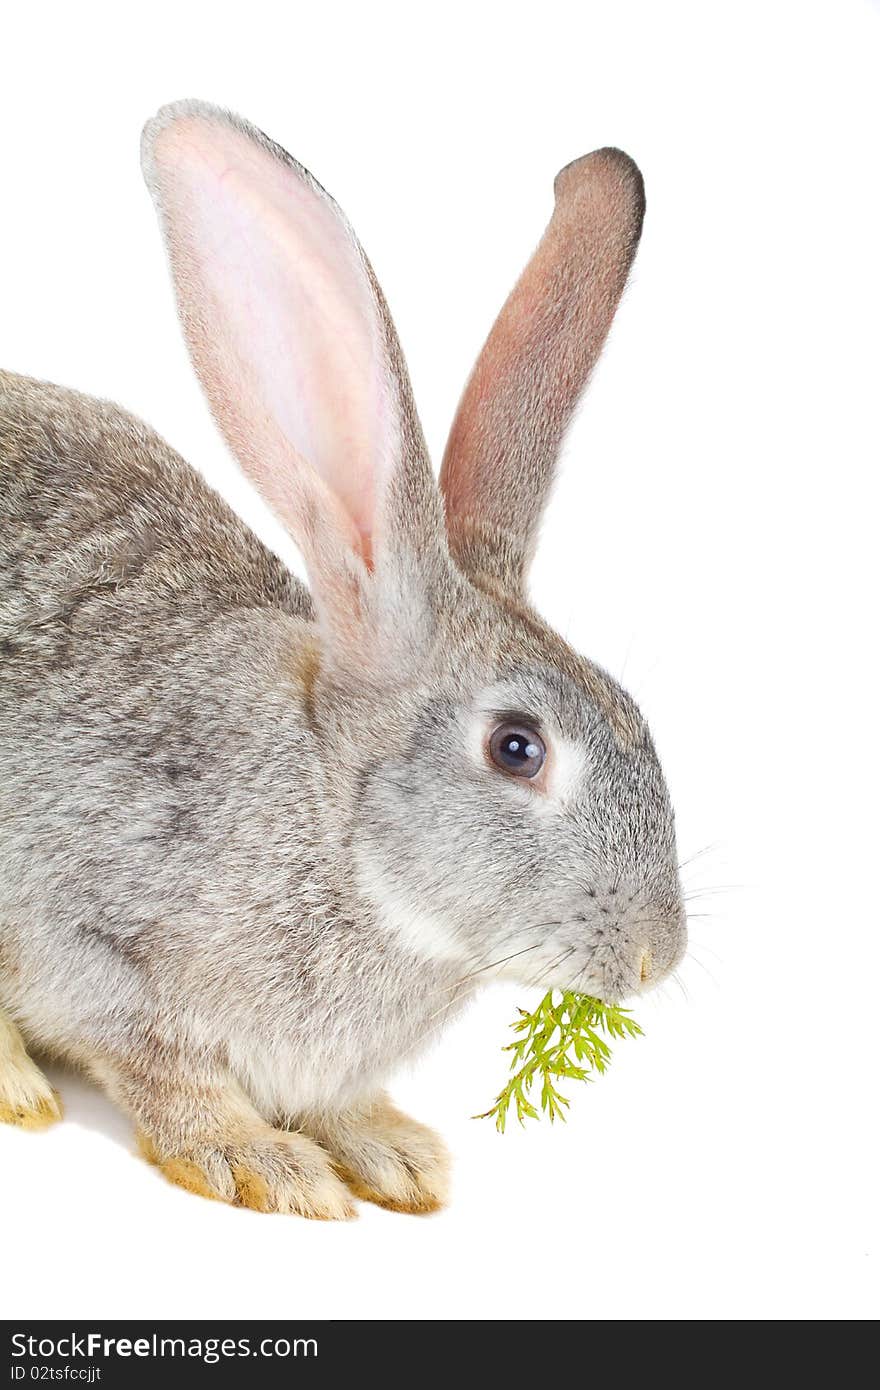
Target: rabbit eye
[[517, 749]]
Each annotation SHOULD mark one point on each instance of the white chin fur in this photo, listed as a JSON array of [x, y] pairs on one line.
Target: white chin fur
[[421, 932]]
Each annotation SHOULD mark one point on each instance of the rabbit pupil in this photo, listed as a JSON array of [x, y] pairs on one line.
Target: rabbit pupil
[[519, 751]]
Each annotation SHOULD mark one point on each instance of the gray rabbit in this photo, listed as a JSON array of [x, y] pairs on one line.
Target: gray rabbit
[[257, 844]]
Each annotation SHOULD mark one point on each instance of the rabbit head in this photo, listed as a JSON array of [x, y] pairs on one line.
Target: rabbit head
[[496, 798]]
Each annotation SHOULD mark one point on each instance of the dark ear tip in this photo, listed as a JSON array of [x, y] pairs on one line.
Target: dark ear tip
[[608, 166]]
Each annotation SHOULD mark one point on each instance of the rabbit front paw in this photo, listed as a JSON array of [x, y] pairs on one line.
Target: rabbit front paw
[[385, 1157], [26, 1098], [272, 1172]]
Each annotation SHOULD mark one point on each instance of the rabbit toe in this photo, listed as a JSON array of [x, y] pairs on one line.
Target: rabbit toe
[[389, 1180], [290, 1174], [388, 1159], [26, 1098], [283, 1173], [30, 1108]]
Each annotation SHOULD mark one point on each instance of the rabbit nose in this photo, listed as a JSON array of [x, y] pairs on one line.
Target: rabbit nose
[[645, 963]]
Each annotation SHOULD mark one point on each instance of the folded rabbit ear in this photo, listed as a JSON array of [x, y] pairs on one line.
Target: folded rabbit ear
[[507, 433], [293, 345]]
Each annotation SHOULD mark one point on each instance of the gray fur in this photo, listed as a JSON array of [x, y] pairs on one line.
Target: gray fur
[[210, 834]]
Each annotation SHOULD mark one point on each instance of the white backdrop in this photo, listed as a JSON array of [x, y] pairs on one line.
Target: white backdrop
[[712, 541]]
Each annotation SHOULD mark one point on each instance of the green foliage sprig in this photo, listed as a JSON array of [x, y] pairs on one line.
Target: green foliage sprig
[[560, 1041]]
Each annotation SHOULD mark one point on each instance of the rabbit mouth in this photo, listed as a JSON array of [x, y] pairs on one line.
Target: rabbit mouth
[[559, 962], [609, 960]]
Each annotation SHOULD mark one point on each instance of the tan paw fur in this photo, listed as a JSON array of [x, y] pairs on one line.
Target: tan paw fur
[[270, 1172], [32, 1114], [387, 1158], [403, 1195], [26, 1098]]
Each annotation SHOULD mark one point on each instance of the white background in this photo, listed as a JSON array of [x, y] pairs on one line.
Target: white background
[[712, 541]]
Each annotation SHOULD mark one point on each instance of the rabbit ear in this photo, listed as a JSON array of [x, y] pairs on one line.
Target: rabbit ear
[[507, 433], [292, 342]]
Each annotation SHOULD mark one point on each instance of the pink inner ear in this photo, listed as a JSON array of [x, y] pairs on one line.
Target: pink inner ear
[[280, 316]]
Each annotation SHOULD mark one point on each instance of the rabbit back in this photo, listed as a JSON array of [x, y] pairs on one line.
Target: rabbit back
[[92, 503]]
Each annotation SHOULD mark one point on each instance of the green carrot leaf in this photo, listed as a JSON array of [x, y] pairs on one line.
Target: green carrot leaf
[[559, 1041]]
